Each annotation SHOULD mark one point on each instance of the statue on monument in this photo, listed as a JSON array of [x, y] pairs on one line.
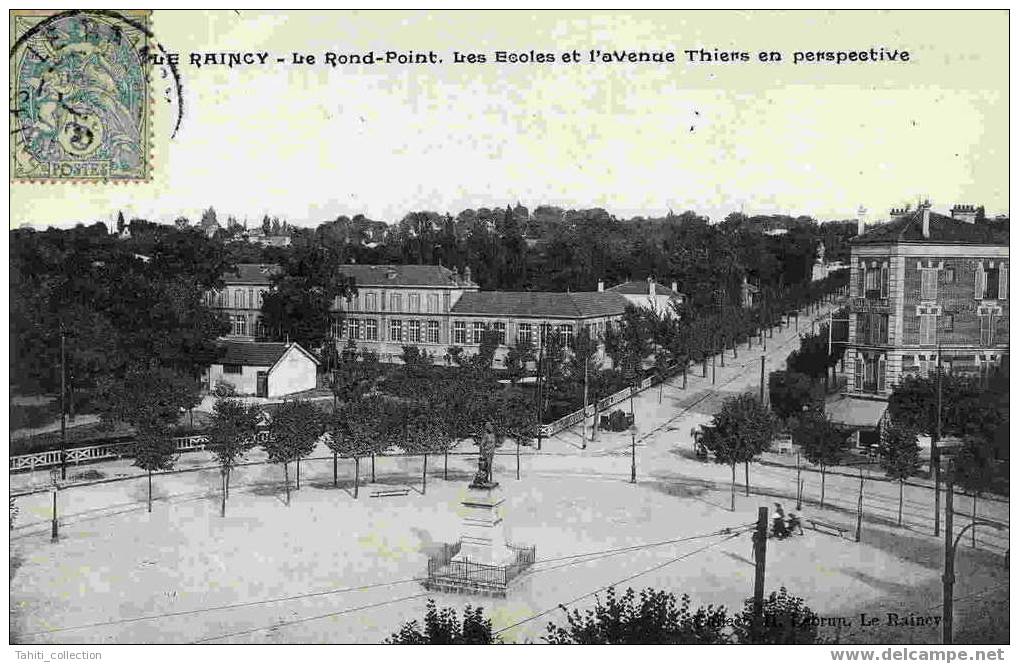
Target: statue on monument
[[486, 453]]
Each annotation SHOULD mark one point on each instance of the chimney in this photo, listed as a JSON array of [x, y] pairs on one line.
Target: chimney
[[861, 220], [674, 289], [965, 213], [651, 286], [601, 286], [925, 210]]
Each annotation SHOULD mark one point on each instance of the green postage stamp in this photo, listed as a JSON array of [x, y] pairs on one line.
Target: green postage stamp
[[79, 98]]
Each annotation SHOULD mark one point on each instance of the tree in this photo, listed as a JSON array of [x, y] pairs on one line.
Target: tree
[[424, 434], [151, 400], [442, 627], [969, 407], [653, 617], [455, 402], [293, 433], [299, 302], [972, 470], [790, 393], [355, 430], [900, 455], [519, 355], [231, 434], [739, 432], [785, 620], [821, 440]]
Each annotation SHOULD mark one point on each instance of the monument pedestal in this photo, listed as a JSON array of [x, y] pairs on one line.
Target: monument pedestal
[[484, 539]]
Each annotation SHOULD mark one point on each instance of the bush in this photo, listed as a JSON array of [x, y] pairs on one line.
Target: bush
[[33, 417], [442, 627], [655, 617], [786, 620], [223, 389]]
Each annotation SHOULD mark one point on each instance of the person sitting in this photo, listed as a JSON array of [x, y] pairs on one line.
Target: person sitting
[[778, 525], [794, 523]]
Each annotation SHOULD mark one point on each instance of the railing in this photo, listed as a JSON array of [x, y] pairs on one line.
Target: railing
[[442, 567], [79, 455]]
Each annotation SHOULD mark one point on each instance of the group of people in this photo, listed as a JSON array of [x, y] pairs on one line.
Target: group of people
[[783, 526]]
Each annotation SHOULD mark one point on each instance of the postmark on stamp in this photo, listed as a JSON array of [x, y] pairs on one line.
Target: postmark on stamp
[[79, 96]]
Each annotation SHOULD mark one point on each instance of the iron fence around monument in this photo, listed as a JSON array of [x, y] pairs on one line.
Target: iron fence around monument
[[465, 575]]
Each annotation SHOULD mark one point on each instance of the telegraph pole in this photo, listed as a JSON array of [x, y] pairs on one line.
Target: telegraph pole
[[859, 508], [63, 416], [584, 430], [936, 456], [762, 378], [760, 551], [948, 580]]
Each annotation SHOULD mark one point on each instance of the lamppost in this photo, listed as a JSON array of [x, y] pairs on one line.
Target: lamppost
[[55, 478], [948, 579]]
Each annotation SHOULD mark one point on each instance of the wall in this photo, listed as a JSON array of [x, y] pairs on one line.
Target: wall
[[295, 372], [244, 382]]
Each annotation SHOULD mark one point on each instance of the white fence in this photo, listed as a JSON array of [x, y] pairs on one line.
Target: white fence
[[78, 455]]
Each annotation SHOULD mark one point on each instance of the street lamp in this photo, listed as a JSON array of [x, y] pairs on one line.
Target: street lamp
[[948, 579], [55, 478]]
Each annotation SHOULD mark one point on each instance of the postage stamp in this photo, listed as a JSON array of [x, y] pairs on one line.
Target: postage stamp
[[79, 97]]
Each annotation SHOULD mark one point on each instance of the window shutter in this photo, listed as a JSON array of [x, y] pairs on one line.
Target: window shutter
[[1003, 282], [881, 374], [985, 330], [882, 334], [858, 374], [884, 281], [978, 290]]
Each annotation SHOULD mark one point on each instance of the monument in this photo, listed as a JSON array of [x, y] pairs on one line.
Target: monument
[[483, 538], [482, 561]]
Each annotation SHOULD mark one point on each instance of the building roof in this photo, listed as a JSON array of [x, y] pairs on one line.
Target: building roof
[[434, 276], [856, 413], [257, 353], [943, 230], [251, 273], [529, 304], [640, 288], [401, 275]]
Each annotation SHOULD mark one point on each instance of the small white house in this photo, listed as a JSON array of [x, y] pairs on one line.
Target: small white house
[[649, 294], [263, 369]]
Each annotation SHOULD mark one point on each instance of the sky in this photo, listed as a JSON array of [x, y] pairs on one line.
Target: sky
[[309, 143]]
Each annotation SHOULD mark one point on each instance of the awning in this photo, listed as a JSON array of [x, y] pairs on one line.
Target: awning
[[856, 413]]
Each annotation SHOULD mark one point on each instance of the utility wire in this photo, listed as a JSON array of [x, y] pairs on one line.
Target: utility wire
[[616, 583], [591, 555]]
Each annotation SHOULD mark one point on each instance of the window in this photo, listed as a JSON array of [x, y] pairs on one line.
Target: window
[[353, 328], [928, 329], [369, 302], [445, 302], [875, 285], [414, 328], [566, 331], [251, 299], [992, 282], [433, 331], [336, 328], [949, 275], [459, 332], [432, 302], [396, 302], [414, 302], [869, 374], [231, 368], [239, 325], [987, 325], [545, 329], [477, 332], [872, 329], [260, 329], [371, 330], [929, 284], [500, 333], [524, 333], [946, 322], [396, 330]]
